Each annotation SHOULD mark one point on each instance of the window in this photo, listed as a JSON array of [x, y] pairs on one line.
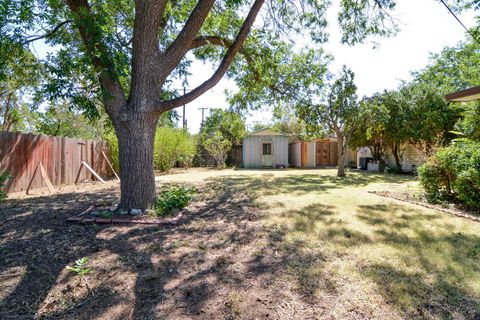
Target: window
[[267, 149]]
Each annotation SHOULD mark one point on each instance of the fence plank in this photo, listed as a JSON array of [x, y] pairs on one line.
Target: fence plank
[[61, 158]]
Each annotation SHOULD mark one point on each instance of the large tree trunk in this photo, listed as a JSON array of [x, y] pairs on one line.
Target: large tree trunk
[[341, 158], [135, 140]]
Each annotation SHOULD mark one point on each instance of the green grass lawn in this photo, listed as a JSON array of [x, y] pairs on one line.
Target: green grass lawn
[[254, 244], [372, 254]]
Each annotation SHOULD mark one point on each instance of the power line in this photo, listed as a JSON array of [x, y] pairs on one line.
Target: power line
[[459, 21]]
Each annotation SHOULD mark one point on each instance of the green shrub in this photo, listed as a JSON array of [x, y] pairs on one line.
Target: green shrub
[[173, 198], [173, 145], [3, 177], [112, 140], [453, 173]]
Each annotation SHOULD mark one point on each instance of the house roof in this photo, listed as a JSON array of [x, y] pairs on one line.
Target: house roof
[[466, 95], [267, 132]]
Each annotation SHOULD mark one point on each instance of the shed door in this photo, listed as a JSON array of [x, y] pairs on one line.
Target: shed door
[[267, 160], [322, 154]]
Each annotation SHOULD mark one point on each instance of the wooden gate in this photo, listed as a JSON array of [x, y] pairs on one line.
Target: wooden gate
[[326, 153]]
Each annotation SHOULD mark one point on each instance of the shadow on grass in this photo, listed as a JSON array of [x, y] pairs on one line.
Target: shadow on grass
[[440, 266], [269, 184], [219, 247], [148, 272]]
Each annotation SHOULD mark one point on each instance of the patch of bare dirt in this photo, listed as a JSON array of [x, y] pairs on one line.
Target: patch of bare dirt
[[217, 262]]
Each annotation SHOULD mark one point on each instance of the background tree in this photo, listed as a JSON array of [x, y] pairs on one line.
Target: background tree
[[453, 69], [416, 113], [230, 125], [432, 119], [173, 145], [20, 73], [340, 112], [218, 147], [126, 56], [59, 120], [369, 132], [220, 131]]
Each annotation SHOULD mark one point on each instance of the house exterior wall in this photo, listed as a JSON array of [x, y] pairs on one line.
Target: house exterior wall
[[252, 150], [411, 159], [295, 154]]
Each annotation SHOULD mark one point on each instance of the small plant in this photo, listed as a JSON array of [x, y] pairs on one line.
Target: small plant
[[233, 305], [80, 267], [3, 177], [173, 198], [105, 214]]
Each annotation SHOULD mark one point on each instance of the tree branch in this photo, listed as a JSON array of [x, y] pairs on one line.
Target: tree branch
[[180, 46], [113, 95], [48, 34], [222, 68], [219, 41]]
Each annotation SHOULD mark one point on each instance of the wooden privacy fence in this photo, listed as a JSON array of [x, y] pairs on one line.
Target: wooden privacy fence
[[20, 154]]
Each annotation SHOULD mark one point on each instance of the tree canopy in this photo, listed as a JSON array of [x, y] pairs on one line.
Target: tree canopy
[[109, 28]]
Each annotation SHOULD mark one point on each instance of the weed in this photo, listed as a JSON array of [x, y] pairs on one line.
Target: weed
[[223, 261], [80, 267], [104, 214], [173, 198], [233, 305]]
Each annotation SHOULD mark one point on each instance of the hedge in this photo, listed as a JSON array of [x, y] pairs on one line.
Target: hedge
[[453, 174]]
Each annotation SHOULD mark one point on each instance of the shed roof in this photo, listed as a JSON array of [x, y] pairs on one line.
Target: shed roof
[[466, 95], [267, 132]]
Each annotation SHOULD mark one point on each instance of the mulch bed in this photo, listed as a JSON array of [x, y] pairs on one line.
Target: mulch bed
[[408, 197]]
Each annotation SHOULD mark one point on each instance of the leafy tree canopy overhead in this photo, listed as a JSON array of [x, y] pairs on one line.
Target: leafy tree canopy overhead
[[112, 21]]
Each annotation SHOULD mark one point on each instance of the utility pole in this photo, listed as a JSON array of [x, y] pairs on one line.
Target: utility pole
[[184, 120], [203, 114]]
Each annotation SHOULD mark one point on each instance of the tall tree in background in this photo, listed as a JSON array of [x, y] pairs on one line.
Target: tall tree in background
[[125, 55], [20, 73], [393, 127], [59, 120], [456, 68], [341, 112], [221, 130], [416, 113]]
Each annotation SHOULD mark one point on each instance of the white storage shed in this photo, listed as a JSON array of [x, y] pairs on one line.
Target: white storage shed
[[265, 149]]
